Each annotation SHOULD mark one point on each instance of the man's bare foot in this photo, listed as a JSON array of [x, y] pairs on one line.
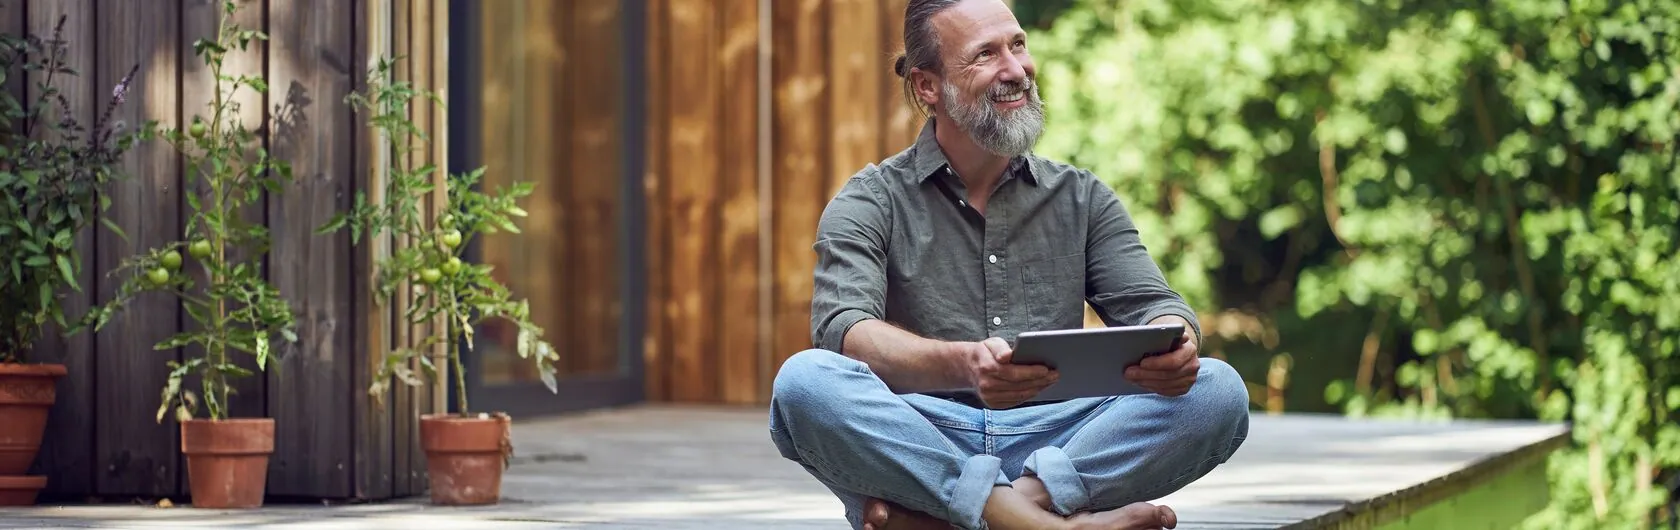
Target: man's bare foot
[[1135, 516], [883, 515]]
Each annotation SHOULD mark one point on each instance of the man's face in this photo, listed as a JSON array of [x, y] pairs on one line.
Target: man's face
[[988, 86]]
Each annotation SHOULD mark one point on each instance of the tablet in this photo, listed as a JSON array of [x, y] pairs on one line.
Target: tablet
[[1092, 362]]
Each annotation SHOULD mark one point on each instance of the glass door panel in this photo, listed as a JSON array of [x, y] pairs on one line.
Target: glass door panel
[[555, 107]]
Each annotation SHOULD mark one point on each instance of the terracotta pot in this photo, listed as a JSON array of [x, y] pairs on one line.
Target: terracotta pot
[[27, 392], [20, 491], [465, 457], [227, 461]]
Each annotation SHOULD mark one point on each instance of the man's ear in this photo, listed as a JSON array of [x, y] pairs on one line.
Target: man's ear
[[926, 87]]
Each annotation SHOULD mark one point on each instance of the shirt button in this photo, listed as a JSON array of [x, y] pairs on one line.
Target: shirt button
[[992, 258], [997, 321]]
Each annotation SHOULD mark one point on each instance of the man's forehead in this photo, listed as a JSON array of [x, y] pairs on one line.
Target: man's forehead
[[971, 22]]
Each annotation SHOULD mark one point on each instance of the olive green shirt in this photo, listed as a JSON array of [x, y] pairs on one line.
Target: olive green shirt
[[900, 243]]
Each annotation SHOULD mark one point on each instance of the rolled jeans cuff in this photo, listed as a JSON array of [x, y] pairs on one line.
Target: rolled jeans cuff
[[1053, 468], [980, 474]]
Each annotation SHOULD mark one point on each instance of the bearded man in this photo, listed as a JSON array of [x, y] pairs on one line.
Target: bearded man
[[930, 263]]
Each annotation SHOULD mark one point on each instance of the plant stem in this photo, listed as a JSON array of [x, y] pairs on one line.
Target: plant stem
[[213, 380], [460, 371]]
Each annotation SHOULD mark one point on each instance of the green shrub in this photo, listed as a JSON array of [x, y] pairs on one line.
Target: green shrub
[[1487, 192]]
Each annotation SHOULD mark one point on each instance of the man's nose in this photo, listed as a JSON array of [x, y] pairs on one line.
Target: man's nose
[[1014, 68]]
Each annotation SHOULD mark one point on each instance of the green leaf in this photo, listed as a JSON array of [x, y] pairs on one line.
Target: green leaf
[[262, 352], [233, 370], [65, 271], [112, 226]]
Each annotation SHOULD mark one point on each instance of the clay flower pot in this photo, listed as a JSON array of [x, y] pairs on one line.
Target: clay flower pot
[[227, 461], [465, 457], [27, 392], [20, 491]]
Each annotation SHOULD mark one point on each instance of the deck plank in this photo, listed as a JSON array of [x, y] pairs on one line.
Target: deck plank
[[704, 467]]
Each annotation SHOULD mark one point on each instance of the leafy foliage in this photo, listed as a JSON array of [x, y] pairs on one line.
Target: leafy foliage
[[1489, 189], [465, 294], [236, 310], [53, 169]]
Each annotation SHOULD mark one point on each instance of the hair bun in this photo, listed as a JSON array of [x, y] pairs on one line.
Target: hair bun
[[898, 66]]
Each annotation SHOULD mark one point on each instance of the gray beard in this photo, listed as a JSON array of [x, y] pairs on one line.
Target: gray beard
[[1006, 135]]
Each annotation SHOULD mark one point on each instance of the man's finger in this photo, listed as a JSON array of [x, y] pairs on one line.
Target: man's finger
[[1167, 361], [1022, 373], [1140, 374]]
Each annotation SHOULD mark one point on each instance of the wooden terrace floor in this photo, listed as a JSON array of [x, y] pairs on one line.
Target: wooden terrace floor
[[702, 467]]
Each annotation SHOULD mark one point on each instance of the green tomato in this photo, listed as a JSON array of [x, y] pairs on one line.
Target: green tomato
[[452, 238], [430, 276], [158, 276], [199, 249], [197, 129], [171, 260], [452, 266], [448, 220]]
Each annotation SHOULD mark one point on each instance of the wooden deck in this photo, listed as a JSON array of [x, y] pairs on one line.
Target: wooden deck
[[701, 467]]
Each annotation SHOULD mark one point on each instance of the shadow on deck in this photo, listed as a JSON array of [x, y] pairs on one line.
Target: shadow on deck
[[707, 467]]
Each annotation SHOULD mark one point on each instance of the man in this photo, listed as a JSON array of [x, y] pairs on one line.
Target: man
[[929, 265]]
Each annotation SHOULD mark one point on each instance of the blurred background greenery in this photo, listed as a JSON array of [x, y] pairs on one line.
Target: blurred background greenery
[[1426, 209]]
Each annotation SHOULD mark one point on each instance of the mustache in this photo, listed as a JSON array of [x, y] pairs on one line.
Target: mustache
[[1004, 88]]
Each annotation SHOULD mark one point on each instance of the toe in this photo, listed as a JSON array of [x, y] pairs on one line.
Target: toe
[[875, 513], [1168, 518]]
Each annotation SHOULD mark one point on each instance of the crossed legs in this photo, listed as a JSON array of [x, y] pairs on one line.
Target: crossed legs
[[834, 417]]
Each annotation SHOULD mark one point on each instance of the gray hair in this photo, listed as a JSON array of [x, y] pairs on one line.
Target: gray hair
[[921, 45]]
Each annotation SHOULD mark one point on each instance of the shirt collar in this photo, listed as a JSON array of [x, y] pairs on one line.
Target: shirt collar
[[929, 159]]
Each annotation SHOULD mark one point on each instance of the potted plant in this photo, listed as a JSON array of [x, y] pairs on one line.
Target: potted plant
[[236, 310], [466, 451], [52, 170]]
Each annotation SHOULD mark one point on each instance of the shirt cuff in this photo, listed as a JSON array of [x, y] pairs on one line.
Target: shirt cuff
[[834, 334]]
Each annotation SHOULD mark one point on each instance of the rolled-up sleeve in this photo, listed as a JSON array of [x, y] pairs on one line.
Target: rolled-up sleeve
[[1125, 286], [850, 277]]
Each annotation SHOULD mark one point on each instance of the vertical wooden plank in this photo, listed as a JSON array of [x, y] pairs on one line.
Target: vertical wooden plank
[[374, 439], [595, 93], [496, 109], [66, 455], [419, 53], [694, 175], [440, 191], [15, 20], [539, 123], [738, 337], [854, 73], [199, 19], [405, 426], [135, 454], [801, 163], [656, 343], [309, 76], [900, 120]]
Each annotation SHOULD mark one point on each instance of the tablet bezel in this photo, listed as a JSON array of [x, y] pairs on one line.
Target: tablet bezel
[[1092, 362]]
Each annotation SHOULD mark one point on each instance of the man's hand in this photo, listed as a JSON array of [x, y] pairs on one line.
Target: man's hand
[[1000, 383], [1171, 373]]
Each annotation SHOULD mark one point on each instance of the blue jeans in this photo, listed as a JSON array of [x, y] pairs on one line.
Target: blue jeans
[[832, 415]]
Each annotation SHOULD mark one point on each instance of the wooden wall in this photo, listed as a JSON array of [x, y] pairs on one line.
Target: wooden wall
[[756, 116], [330, 440]]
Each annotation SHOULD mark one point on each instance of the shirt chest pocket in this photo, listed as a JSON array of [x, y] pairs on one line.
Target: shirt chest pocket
[[1054, 282]]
